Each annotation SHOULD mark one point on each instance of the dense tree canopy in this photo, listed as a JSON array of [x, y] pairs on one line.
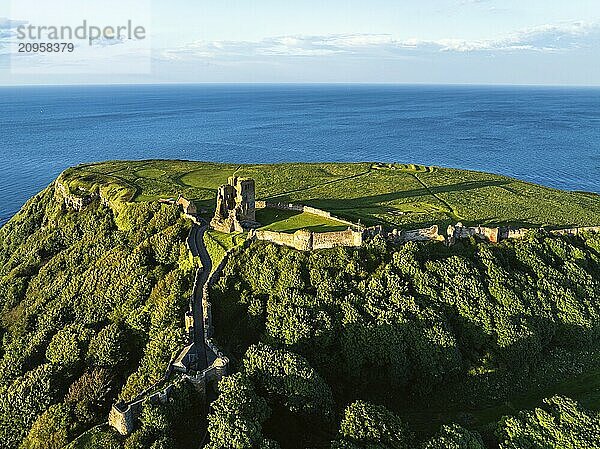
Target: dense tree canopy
[[407, 321], [372, 426], [417, 314], [333, 345], [289, 379], [91, 305], [560, 422], [454, 437], [238, 415]]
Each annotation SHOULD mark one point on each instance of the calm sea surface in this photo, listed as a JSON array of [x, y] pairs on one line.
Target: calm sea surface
[[549, 136]]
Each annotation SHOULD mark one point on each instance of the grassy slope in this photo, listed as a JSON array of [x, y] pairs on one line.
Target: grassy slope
[[400, 195]]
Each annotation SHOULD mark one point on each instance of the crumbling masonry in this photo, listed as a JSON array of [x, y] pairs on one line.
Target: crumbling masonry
[[236, 206]]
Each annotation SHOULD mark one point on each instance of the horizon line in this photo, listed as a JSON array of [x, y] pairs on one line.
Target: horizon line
[[317, 83]]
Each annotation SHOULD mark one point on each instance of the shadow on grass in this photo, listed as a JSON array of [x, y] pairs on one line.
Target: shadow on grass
[[357, 207], [372, 200]]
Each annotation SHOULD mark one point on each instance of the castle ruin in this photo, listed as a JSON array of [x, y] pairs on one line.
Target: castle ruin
[[306, 240], [236, 206]]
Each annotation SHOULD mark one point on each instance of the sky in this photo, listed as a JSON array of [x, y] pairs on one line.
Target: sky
[[554, 42]]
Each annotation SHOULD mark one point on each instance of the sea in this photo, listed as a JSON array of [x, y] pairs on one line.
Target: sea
[[546, 135]]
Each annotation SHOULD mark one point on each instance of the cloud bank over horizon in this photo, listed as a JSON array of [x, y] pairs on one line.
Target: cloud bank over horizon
[[544, 38], [434, 42]]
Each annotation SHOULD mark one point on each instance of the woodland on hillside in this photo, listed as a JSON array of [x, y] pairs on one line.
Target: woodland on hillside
[[384, 346], [91, 312], [425, 338]]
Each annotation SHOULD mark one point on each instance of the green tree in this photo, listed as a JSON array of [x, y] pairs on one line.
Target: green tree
[[559, 423], [289, 379], [108, 348], [64, 348], [372, 426], [454, 437], [52, 430], [237, 415]]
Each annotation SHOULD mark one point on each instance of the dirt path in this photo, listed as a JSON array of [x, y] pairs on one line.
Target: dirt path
[[452, 213], [333, 181]]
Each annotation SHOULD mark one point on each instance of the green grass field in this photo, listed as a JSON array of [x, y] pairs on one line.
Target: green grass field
[[289, 221], [406, 195], [218, 243]]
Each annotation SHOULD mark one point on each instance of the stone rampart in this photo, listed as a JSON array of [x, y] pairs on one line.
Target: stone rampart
[[213, 373], [422, 235], [280, 238], [305, 240], [459, 231], [325, 240], [576, 231], [514, 233], [124, 416], [495, 235], [400, 236], [76, 202]]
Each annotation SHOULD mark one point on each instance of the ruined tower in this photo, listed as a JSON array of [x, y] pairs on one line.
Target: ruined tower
[[245, 199], [236, 206]]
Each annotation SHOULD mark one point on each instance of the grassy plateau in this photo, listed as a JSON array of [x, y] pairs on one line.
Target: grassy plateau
[[406, 196]]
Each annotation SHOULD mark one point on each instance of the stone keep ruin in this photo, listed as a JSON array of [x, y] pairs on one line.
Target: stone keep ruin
[[236, 206]]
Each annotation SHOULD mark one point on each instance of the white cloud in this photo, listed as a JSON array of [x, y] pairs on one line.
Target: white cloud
[[8, 24], [106, 42], [472, 2], [545, 38], [7, 32]]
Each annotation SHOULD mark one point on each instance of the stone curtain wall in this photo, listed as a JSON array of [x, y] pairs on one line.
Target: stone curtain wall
[[304, 240], [123, 416], [422, 235], [326, 240], [496, 235], [458, 232], [576, 231], [280, 238]]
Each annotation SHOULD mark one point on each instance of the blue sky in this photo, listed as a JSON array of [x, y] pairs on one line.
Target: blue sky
[[429, 41]]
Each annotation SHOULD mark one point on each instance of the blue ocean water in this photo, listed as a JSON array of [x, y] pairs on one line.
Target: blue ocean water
[[549, 136]]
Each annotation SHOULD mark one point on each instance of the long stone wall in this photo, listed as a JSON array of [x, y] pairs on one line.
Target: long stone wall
[[458, 232], [305, 240], [431, 234], [124, 416], [496, 235], [576, 231], [324, 240], [74, 202]]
